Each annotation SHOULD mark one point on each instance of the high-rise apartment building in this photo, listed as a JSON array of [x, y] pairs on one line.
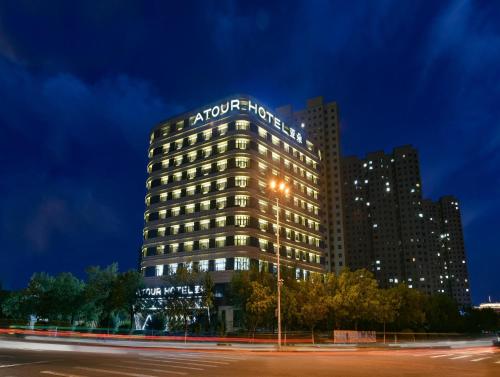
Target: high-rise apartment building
[[321, 121], [209, 206], [392, 231]]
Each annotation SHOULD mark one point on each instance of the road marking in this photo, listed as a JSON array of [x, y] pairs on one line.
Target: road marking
[[482, 358], [175, 362], [60, 374], [460, 357], [444, 355], [160, 365], [190, 359], [19, 364], [157, 370], [206, 355], [115, 372]]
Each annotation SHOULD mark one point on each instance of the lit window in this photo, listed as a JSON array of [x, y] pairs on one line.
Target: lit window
[[191, 156], [161, 232], [241, 263], [172, 268], [221, 184], [262, 150], [242, 162], [174, 229], [163, 197], [241, 181], [263, 244], [286, 147], [242, 125], [203, 266], [189, 208], [263, 205], [275, 140], [205, 205], [178, 160], [276, 157], [221, 203], [287, 164], [175, 211], [241, 200], [221, 165], [204, 243], [220, 264], [241, 143], [173, 248], [262, 167], [222, 129], [162, 213], [176, 194], [241, 220], [207, 134], [189, 227], [190, 190], [207, 152], [220, 241], [191, 173], [178, 143], [188, 246], [192, 139], [205, 187], [220, 221], [263, 225], [180, 125], [262, 132], [177, 176], [222, 147], [240, 240], [204, 224], [205, 169]]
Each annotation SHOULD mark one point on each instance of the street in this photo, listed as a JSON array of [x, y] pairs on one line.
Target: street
[[25, 358]]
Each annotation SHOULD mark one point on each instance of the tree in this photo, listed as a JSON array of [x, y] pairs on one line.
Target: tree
[[98, 306], [410, 308], [388, 305], [312, 302], [260, 304], [125, 294], [441, 313]]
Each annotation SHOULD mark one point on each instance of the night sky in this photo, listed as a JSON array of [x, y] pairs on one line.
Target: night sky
[[82, 84]]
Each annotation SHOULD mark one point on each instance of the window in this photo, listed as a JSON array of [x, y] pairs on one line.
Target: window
[[178, 143], [220, 264], [164, 180], [275, 140], [205, 169], [205, 187], [191, 173], [240, 240], [276, 157], [220, 222], [221, 165], [262, 150], [205, 205], [263, 225], [189, 227], [262, 132], [241, 220], [241, 181], [189, 208], [222, 147], [177, 176], [207, 152], [179, 125], [263, 244], [222, 129], [178, 160], [241, 263], [192, 139], [262, 167], [203, 266], [172, 268], [191, 156], [263, 205], [241, 143], [242, 162], [174, 229], [204, 225], [163, 197], [176, 194], [220, 241], [286, 147], [262, 187], [241, 200], [162, 214], [161, 232], [188, 246], [207, 134], [173, 248], [204, 243], [242, 124], [221, 184], [221, 203], [175, 211], [190, 190]]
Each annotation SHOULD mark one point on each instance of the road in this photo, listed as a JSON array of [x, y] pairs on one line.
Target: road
[[30, 359]]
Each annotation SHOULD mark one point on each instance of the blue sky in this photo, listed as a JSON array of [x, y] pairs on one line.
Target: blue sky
[[82, 83]]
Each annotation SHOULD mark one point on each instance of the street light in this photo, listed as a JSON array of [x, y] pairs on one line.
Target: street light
[[279, 188]]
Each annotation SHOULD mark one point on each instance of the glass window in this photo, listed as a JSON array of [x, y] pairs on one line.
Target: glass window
[[203, 265], [241, 181], [192, 139], [241, 263], [173, 247], [205, 169], [205, 187], [262, 150], [220, 241], [263, 205], [180, 125], [220, 221], [263, 225], [242, 162], [221, 165], [177, 176], [220, 264], [222, 129], [161, 232], [221, 203], [275, 140], [241, 200], [242, 124], [262, 167], [189, 208], [178, 160], [191, 173], [175, 211], [262, 132], [207, 134], [263, 244], [207, 152], [241, 143], [240, 240], [241, 220], [192, 156], [222, 147], [162, 213], [205, 205], [189, 227], [188, 246], [204, 243], [174, 229], [190, 190], [276, 157], [204, 225], [221, 184], [172, 268]]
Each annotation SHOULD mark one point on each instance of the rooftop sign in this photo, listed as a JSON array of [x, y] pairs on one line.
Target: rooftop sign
[[250, 107]]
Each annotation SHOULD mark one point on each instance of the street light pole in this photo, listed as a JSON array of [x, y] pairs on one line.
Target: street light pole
[[278, 267]]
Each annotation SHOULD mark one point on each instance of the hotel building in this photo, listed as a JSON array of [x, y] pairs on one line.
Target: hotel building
[[395, 233], [209, 206]]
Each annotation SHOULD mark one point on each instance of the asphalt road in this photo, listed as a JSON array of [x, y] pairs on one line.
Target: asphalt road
[[21, 358]]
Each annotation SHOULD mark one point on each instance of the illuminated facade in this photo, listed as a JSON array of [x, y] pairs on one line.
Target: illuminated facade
[[392, 231], [208, 205]]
